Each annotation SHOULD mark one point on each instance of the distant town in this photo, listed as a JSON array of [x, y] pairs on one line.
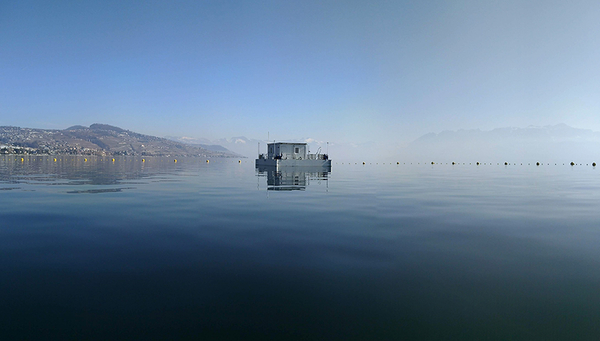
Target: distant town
[[97, 139]]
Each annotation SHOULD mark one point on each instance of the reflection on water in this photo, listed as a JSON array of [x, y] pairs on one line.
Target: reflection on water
[[292, 178], [78, 170], [95, 191]]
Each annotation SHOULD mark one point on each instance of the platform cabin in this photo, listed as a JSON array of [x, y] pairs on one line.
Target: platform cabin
[[286, 151]]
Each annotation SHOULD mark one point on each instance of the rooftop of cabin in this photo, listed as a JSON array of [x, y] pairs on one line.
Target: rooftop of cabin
[[291, 143]]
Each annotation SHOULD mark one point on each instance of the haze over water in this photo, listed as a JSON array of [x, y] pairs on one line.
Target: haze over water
[[99, 249]]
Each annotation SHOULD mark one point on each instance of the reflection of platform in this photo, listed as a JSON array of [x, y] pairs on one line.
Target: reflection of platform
[[292, 178]]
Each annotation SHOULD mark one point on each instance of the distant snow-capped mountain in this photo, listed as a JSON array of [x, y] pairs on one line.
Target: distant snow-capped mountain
[[244, 146]]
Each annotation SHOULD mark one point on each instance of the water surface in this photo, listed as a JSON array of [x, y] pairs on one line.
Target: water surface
[[102, 249]]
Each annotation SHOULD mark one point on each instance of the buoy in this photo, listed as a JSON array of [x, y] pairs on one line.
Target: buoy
[[477, 163], [84, 160], [363, 162], [54, 159], [239, 161], [22, 159], [433, 163], [453, 162], [113, 159], [572, 163], [594, 164], [175, 160], [143, 160], [206, 161], [397, 163]]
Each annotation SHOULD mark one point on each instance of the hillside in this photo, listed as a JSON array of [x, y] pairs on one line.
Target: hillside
[[97, 139]]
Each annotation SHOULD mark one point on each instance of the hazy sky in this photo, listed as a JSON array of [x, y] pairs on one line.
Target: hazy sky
[[331, 70]]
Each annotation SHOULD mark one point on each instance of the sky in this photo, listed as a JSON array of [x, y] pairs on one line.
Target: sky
[[365, 72]]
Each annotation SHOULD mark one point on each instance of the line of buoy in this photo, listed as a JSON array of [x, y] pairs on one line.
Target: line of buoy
[[572, 163]]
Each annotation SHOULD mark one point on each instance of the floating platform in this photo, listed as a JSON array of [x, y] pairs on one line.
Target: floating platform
[[286, 154], [292, 163]]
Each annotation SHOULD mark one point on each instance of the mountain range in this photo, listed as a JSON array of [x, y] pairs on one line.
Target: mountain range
[[553, 143]]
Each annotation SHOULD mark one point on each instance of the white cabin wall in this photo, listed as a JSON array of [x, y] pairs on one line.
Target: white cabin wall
[[287, 151], [301, 151]]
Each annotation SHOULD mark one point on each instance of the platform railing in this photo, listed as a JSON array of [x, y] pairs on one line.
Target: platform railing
[[317, 157]]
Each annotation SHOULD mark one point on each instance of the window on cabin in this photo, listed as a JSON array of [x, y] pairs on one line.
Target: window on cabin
[[297, 150]]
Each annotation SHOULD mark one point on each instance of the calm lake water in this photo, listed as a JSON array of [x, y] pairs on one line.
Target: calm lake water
[[128, 249]]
